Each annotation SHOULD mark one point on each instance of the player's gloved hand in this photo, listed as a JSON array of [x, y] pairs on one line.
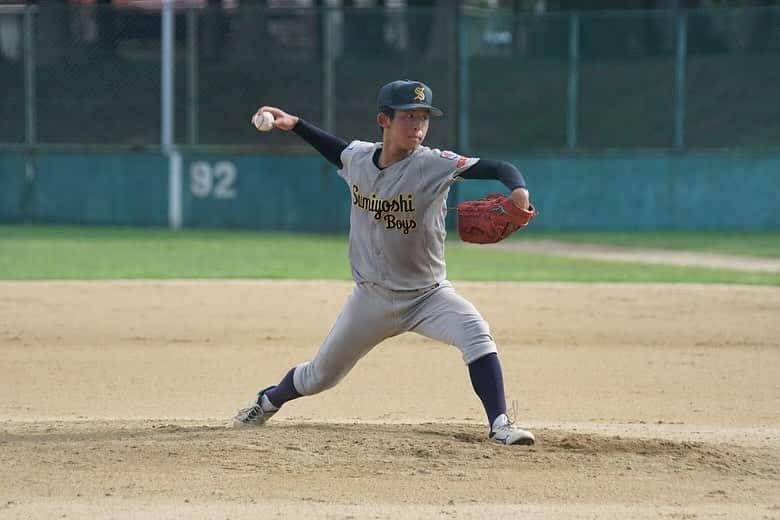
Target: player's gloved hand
[[492, 219], [282, 120]]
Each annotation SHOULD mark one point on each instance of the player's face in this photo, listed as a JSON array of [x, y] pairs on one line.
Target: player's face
[[409, 127]]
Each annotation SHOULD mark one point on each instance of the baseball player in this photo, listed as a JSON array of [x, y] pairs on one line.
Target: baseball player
[[398, 189]]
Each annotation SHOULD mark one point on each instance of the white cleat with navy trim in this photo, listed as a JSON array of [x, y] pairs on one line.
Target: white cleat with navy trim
[[254, 414], [504, 431]]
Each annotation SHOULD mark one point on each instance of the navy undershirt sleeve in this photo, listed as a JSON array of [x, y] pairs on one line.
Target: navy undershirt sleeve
[[499, 170], [328, 145]]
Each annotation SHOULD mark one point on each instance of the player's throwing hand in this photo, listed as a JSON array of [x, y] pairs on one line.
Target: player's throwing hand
[[282, 120]]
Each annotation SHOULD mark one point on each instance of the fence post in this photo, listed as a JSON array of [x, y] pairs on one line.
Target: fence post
[[573, 86], [27, 204], [167, 117], [464, 108], [30, 129], [679, 85], [192, 77], [328, 72]]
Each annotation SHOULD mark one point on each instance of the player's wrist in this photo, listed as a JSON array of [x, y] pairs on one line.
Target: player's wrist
[[296, 123]]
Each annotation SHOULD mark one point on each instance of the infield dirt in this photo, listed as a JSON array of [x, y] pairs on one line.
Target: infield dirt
[[648, 401]]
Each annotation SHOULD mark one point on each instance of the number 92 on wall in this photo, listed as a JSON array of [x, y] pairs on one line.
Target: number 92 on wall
[[213, 180]]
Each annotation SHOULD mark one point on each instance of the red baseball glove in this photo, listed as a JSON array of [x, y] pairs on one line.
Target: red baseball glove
[[492, 219]]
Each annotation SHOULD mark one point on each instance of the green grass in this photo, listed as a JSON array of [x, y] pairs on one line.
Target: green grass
[[104, 253], [41, 253], [758, 244]]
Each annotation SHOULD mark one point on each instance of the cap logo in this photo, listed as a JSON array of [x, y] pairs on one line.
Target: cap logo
[[419, 94]]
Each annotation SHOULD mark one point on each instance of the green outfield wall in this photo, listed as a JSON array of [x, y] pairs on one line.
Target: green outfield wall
[[656, 190], [651, 190], [273, 193], [84, 188]]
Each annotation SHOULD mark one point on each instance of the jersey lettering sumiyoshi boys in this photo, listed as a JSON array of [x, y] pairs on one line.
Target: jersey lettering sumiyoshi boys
[[392, 242]]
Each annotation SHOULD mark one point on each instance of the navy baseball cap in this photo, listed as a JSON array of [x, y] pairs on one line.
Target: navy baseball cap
[[404, 94]]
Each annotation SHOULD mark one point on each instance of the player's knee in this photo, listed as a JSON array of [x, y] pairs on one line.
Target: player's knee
[[310, 379], [475, 331], [473, 338], [322, 382], [475, 351]]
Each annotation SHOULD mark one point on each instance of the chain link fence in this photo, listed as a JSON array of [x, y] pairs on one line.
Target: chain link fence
[[87, 75], [12, 75]]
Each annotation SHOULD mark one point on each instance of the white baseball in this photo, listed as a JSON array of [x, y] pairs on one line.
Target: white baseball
[[263, 120]]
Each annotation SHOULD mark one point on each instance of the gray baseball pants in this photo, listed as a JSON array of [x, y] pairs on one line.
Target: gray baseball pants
[[373, 314]]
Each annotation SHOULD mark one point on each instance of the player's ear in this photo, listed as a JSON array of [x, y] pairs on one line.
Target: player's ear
[[382, 120]]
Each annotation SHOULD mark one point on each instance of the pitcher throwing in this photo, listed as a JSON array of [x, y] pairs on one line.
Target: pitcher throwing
[[399, 192]]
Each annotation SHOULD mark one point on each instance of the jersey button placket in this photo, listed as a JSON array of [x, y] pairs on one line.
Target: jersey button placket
[[376, 240]]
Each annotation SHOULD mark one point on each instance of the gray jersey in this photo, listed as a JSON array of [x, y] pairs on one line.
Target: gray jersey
[[397, 232]]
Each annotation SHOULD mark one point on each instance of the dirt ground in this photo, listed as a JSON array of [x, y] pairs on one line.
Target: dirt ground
[[648, 401], [641, 255]]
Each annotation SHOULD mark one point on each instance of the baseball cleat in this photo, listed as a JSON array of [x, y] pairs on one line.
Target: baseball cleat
[[507, 432], [254, 415]]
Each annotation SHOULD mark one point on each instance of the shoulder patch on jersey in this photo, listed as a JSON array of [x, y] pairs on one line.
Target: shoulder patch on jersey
[[450, 155]]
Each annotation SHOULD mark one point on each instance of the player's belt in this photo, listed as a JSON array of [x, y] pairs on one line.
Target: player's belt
[[404, 291]]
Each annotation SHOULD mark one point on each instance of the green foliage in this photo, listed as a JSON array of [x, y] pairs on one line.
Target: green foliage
[[92, 253], [625, 102]]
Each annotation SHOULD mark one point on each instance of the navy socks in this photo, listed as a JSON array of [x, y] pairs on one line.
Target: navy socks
[[284, 391], [486, 379], [488, 382]]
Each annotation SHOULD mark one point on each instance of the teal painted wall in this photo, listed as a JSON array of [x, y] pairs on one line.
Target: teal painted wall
[[618, 191], [274, 193], [12, 187], [652, 190], [128, 189]]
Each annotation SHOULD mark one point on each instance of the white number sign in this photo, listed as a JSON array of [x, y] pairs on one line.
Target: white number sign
[[217, 181]]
